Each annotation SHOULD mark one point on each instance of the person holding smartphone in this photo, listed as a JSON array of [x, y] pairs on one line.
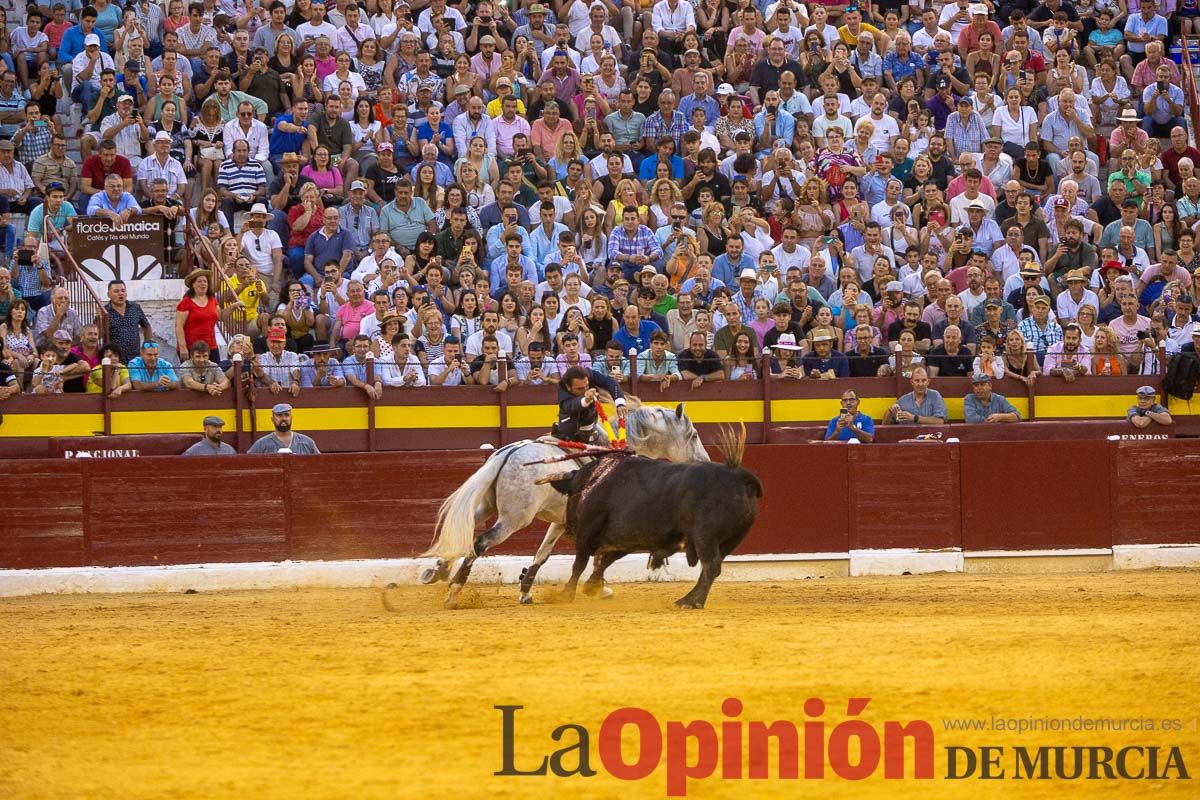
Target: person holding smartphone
[[850, 423]]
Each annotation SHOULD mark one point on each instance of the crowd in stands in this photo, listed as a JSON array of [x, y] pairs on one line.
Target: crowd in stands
[[432, 193]]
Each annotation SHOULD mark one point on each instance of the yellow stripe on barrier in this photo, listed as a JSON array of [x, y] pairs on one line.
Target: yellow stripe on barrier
[[314, 419], [408, 417], [823, 409], [185, 421], [539, 416], [43, 425], [1076, 406], [712, 410], [1183, 408]]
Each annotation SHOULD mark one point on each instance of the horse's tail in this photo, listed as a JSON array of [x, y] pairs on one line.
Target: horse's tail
[[454, 531], [732, 444]]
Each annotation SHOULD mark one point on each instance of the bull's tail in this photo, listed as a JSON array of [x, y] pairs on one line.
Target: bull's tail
[[732, 444], [454, 531]]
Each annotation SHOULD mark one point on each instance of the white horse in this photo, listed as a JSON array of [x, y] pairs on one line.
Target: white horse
[[506, 487]]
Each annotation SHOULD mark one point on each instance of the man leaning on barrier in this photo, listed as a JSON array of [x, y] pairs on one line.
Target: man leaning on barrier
[[984, 405], [921, 406], [1147, 412]]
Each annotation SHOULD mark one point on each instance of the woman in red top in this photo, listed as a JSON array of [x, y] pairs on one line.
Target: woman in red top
[[304, 219], [196, 315]]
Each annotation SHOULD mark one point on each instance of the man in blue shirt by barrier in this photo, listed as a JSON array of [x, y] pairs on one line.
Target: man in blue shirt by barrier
[[984, 405], [850, 423]]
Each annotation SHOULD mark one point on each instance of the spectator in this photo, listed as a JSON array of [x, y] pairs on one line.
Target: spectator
[[850, 423], [57, 316], [241, 182], [1039, 330], [278, 369], [449, 368], [197, 314], [15, 182], [492, 368], [114, 203], [921, 406], [127, 322], [321, 370], [200, 374], [984, 405], [1148, 412], [18, 348], [117, 383], [657, 364], [331, 243], [825, 363], [149, 373], [951, 358], [210, 443], [1065, 359], [538, 369], [699, 364], [403, 368], [284, 439], [359, 370]]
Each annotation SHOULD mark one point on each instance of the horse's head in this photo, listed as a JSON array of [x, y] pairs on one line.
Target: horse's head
[[665, 433]]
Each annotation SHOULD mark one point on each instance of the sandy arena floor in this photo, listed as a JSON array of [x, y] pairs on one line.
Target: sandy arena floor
[[298, 694]]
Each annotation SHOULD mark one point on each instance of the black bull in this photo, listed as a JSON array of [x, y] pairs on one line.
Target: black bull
[[621, 504]]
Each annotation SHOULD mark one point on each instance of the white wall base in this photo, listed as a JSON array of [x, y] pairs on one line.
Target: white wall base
[[904, 561], [507, 569], [1148, 556]]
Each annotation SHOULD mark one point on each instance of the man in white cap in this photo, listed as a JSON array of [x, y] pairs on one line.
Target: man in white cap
[[284, 439], [360, 220], [211, 444], [263, 247], [161, 164], [86, 68], [968, 37], [127, 129]]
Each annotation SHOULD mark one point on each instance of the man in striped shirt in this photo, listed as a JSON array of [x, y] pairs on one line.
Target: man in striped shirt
[[241, 182]]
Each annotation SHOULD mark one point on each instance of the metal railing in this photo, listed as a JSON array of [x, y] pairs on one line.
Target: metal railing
[[232, 321], [1189, 86], [82, 296]]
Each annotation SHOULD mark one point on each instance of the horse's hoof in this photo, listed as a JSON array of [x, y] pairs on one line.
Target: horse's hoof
[[526, 599], [428, 575], [685, 603], [605, 593], [451, 601]]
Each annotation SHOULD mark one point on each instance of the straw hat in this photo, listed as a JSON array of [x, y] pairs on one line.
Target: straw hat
[[197, 273]]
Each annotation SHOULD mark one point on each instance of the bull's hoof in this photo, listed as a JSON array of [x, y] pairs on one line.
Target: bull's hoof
[[526, 599], [605, 593], [686, 603]]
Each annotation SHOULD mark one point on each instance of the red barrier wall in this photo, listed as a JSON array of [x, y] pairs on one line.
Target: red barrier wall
[[1035, 495], [904, 496], [1156, 501], [817, 499]]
